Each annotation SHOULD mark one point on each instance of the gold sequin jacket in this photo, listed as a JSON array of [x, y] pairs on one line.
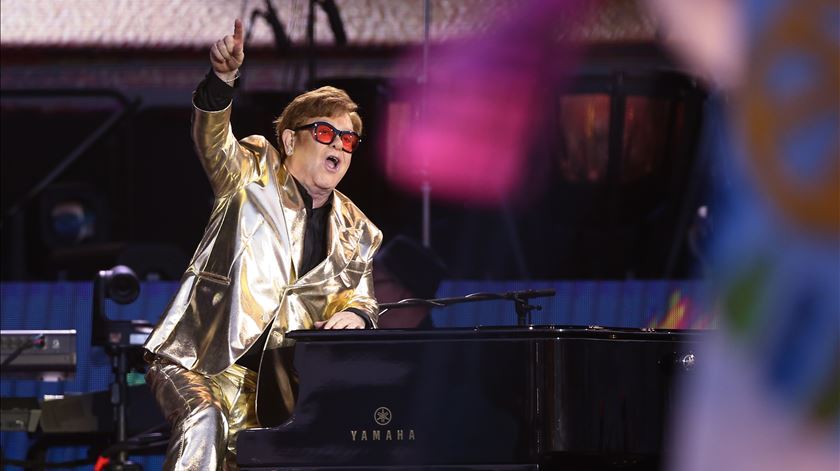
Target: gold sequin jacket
[[243, 276]]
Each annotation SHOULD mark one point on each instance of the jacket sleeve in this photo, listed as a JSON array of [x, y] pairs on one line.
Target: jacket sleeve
[[227, 164], [363, 298]]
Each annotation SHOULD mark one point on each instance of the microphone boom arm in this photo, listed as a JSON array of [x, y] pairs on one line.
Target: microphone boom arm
[[520, 298]]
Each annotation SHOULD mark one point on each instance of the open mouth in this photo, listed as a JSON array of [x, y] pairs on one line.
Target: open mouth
[[332, 162]]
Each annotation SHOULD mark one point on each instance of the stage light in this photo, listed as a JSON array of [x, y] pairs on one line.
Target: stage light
[[71, 222], [71, 215]]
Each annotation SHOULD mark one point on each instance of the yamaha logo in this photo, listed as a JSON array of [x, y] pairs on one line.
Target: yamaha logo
[[382, 416]]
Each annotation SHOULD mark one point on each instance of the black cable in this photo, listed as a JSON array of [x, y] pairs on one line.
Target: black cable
[[334, 18], [38, 340], [281, 39]]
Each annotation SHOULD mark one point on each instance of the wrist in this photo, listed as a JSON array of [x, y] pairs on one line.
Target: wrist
[[227, 77]]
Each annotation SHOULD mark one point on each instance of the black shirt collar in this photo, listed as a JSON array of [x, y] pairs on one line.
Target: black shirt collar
[[307, 198]]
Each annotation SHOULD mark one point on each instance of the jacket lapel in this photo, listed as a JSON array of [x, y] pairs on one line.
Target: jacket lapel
[[295, 216], [342, 243]]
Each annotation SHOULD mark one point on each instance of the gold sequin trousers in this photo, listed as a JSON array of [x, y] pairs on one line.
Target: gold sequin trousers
[[206, 413]]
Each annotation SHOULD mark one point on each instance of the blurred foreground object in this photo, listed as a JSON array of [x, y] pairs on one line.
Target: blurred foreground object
[[769, 398], [483, 102]]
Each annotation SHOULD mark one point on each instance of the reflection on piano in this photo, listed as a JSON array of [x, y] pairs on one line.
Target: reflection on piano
[[486, 398]]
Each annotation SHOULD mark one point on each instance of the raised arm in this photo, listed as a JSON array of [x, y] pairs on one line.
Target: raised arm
[[226, 163]]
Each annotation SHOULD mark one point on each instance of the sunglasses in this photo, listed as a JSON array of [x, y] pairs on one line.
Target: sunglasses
[[325, 133]]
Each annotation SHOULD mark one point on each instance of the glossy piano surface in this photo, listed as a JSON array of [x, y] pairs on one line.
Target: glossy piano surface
[[484, 398]]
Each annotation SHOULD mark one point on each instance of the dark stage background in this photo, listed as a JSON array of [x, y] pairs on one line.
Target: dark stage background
[[620, 204]]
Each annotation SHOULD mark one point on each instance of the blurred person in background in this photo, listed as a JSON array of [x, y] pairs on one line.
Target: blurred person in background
[[767, 393], [405, 269], [283, 250]]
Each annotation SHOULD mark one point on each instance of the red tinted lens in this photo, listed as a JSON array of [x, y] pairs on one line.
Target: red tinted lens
[[324, 134], [350, 142]]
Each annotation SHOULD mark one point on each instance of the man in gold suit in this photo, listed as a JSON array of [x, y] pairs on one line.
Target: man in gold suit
[[283, 250]]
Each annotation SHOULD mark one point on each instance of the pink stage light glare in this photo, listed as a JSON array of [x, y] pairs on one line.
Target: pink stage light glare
[[485, 102]]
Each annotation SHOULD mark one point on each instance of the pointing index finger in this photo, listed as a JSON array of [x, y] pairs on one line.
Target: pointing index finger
[[237, 35]]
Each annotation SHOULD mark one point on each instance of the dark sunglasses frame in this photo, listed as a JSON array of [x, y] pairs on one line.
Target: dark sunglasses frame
[[336, 134]]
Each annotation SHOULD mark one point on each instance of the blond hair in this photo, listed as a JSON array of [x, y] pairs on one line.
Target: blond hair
[[325, 101]]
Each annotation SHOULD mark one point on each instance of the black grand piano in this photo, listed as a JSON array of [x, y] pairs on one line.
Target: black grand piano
[[548, 397]]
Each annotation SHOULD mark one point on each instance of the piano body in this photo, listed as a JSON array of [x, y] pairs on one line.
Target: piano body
[[486, 398]]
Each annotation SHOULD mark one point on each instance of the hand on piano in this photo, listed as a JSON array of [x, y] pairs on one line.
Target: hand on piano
[[342, 320]]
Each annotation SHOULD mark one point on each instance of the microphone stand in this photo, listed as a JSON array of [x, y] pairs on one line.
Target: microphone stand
[[520, 299]]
